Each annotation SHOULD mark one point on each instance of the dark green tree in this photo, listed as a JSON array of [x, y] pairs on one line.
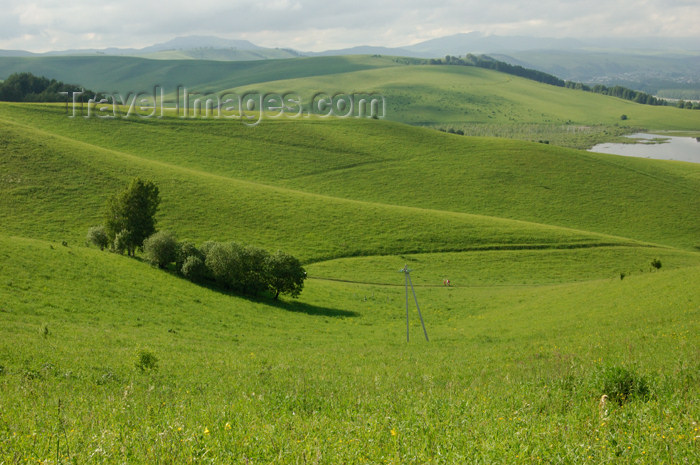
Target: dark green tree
[[285, 275], [253, 269], [133, 210]]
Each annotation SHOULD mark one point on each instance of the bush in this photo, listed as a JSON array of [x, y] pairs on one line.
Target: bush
[[656, 263], [185, 250], [223, 261], [161, 248], [98, 236], [146, 360], [194, 269], [622, 385], [122, 241]]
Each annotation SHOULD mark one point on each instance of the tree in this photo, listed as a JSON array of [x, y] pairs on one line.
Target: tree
[[161, 248], [285, 275], [133, 210], [252, 262], [98, 236], [223, 261]]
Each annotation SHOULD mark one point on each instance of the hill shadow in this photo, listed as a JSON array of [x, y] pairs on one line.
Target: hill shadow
[[265, 298], [314, 310], [287, 305]]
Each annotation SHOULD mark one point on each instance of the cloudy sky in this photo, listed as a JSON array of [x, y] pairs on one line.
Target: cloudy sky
[[315, 25]]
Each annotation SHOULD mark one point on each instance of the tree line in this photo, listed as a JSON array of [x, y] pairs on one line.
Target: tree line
[[130, 225], [487, 62], [26, 87]]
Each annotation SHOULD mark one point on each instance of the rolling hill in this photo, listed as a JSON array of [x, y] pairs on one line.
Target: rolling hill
[[469, 99], [106, 359]]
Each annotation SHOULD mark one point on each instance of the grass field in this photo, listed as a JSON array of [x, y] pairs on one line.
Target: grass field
[[475, 100], [549, 251]]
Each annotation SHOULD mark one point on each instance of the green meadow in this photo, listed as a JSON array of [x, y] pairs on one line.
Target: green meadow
[[554, 300], [476, 101]]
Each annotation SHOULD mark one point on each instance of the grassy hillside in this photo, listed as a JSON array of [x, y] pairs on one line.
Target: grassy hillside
[[382, 163], [55, 188], [454, 95], [472, 99], [549, 251], [512, 374], [131, 74]]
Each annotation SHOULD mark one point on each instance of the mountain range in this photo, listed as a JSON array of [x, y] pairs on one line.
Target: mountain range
[[669, 67]]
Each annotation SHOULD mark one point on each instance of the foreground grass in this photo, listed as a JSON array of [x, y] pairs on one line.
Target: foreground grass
[[510, 374]]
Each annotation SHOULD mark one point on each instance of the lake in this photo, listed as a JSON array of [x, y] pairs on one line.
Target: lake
[[656, 146]]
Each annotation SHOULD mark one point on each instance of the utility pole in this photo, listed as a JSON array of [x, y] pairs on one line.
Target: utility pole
[[407, 272]]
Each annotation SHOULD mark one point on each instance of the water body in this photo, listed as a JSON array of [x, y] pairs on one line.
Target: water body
[[656, 146]]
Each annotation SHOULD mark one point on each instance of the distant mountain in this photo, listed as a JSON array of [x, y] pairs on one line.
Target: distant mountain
[[195, 42], [476, 42], [668, 67], [183, 48], [369, 50], [16, 53]]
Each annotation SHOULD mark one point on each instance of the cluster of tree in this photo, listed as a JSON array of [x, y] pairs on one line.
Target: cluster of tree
[[232, 266], [485, 61], [623, 93], [688, 105], [26, 87], [130, 224]]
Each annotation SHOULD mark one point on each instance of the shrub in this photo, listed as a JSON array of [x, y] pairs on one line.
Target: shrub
[[98, 236], [146, 360], [622, 385], [122, 241], [623, 117], [223, 261], [656, 263], [187, 249], [161, 248], [194, 269]]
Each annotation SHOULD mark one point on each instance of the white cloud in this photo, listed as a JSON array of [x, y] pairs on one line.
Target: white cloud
[[318, 24]]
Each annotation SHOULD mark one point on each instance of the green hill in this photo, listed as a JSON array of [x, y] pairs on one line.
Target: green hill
[[471, 99], [378, 164], [553, 299], [132, 74]]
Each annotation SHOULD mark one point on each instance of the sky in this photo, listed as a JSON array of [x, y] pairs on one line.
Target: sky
[[316, 25]]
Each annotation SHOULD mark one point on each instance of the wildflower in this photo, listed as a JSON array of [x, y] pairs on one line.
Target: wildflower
[[393, 432], [227, 426], [206, 430]]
